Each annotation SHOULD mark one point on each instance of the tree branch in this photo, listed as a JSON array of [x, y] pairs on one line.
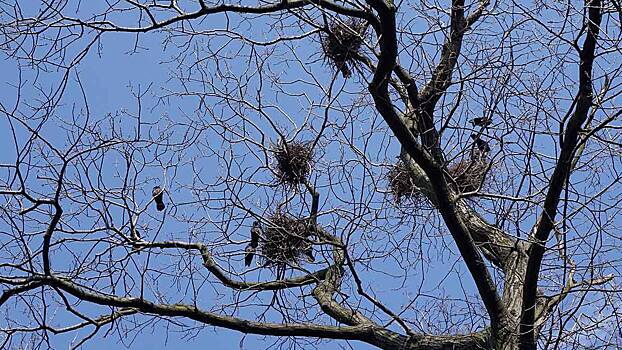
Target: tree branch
[[379, 90], [562, 170], [367, 333], [212, 267], [106, 26]]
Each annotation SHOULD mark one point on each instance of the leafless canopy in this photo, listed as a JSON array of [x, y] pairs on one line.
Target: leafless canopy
[[504, 118]]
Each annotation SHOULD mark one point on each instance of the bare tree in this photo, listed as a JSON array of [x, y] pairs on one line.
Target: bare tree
[[411, 175]]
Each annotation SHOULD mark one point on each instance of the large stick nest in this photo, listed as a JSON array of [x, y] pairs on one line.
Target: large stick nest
[[468, 174], [342, 43], [293, 162], [286, 240], [402, 183]]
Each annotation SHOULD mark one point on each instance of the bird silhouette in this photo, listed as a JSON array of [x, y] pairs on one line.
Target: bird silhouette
[[250, 253], [256, 233], [481, 145], [158, 197], [343, 67], [309, 253], [481, 121]]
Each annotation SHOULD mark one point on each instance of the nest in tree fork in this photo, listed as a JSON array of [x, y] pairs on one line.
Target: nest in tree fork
[[343, 42], [293, 162], [468, 174], [286, 240]]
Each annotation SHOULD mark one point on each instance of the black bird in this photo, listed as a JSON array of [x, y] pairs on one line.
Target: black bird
[[158, 195], [309, 253], [343, 67], [481, 121], [256, 232], [482, 145], [250, 253]]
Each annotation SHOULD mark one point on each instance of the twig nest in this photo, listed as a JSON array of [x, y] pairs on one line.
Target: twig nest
[[286, 240], [293, 162], [402, 183], [468, 174], [342, 43]]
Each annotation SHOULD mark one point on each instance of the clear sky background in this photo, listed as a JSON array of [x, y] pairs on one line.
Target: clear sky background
[[115, 67]]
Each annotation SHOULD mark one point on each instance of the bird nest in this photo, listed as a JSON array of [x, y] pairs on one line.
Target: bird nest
[[342, 43], [468, 175], [293, 162], [286, 240], [402, 183]]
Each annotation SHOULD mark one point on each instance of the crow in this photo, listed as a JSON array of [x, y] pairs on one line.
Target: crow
[[309, 253], [482, 145], [256, 233], [481, 121], [250, 253], [158, 195]]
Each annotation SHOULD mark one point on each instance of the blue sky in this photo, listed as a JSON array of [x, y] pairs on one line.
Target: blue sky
[[113, 70], [107, 80], [108, 77]]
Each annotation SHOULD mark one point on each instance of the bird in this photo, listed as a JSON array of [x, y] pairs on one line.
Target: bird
[[309, 253], [158, 195], [345, 71], [481, 121], [482, 145], [250, 253], [256, 233], [479, 150]]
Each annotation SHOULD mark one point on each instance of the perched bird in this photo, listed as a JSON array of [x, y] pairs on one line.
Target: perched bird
[[343, 67], [256, 233], [482, 145], [250, 253], [158, 195], [481, 121], [309, 253]]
